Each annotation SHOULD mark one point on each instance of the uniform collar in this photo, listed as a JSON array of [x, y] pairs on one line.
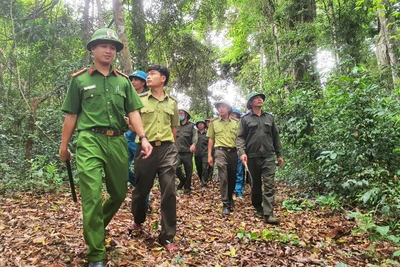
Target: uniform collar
[[93, 69], [220, 118], [251, 113], [150, 93]]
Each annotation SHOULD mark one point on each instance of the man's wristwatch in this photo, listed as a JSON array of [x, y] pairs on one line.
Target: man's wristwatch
[[142, 136]]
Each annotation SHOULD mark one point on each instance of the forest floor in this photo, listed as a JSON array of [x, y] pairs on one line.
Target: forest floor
[[46, 230]]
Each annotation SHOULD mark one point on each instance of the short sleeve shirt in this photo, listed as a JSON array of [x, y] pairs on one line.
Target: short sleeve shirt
[[158, 116], [223, 132], [101, 101]]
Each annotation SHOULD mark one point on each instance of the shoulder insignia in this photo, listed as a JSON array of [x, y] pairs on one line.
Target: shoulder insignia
[[235, 119], [121, 73], [78, 72], [269, 113], [143, 94], [214, 119]]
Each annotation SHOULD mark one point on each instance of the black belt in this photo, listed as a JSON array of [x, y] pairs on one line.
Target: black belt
[[107, 132], [159, 143], [228, 149]]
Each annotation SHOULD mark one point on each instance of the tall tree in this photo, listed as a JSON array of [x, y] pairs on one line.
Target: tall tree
[[125, 54], [139, 35]]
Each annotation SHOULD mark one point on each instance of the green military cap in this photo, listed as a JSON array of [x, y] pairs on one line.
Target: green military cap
[[187, 112], [223, 103], [250, 97], [200, 121], [105, 35]]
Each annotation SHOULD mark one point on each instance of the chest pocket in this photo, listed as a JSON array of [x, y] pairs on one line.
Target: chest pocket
[[252, 126], [91, 100], [148, 115], [119, 101], [267, 127]]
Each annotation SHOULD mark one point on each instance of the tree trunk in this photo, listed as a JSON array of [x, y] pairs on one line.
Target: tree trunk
[[86, 29], [31, 129], [139, 34], [125, 54], [100, 17], [333, 22], [386, 45]]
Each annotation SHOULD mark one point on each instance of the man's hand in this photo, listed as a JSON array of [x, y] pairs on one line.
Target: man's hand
[[65, 154], [210, 161], [243, 159], [192, 148], [280, 162], [146, 148]]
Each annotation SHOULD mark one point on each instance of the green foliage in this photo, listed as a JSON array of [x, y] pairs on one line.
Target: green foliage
[[268, 235], [366, 225], [296, 204], [328, 201]]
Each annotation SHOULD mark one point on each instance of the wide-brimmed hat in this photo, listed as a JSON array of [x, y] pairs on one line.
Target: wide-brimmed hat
[[223, 103], [250, 97], [138, 74], [201, 121], [105, 35]]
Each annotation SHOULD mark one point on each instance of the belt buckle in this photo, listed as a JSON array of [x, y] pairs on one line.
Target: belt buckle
[[157, 143], [110, 133]]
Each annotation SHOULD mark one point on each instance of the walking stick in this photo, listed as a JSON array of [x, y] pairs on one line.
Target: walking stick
[[250, 177], [71, 181]]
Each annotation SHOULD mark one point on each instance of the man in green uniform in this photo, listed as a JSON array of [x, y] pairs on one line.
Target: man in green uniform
[[96, 102], [222, 134], [186, 140], [160, 119], [258, 141], [201, 154]]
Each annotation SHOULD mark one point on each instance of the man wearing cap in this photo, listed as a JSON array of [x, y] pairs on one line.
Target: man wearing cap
[[138, 80], [201, 154], [222, 135], [239, 187], [186, 140], [96, 102], [258, 142], [160, 120]]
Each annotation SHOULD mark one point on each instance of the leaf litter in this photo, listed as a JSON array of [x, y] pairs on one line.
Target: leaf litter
[[46, 230]]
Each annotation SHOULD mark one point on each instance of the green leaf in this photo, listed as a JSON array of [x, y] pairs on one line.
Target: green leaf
[[383, 230], [396, 253], [341, 264]]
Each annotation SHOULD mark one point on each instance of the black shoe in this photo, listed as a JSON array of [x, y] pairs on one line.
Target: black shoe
[[271, 220], [96, 264], [187, 192], [226, 211], [180, 186]]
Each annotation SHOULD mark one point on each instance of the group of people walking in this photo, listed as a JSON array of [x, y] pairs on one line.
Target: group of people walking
[[123, 118]]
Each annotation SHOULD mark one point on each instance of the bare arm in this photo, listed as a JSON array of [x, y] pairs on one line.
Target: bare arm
[[68, 129]]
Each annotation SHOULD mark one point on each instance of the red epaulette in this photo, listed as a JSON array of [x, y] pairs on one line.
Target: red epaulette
[[123, 74], [78, 72]]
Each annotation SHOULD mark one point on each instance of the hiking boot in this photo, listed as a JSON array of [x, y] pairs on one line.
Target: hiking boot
[[186, 192], [226, 211], [232, 203], [271, 220], [96, 264], [260, 214]]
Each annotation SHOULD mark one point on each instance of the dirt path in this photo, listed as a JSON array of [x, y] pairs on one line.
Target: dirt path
[[46, 231]]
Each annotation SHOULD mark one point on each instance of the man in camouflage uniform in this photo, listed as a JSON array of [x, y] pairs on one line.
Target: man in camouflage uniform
[[96, 102], [258, 142]]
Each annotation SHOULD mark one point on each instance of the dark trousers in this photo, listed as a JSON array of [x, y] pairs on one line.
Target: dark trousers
[[263, 191], [162, 161], [227, 166], [202, 169], [185, 159]]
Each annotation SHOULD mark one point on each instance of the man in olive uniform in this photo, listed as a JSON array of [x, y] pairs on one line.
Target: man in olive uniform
[[186, 140], [96, 102], [201, 154], [239, 187], [258, 142], [222, 134], [160, 119]]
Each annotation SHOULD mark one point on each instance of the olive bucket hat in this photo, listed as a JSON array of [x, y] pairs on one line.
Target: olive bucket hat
[[107, 35], [187, 112], [250, 97]]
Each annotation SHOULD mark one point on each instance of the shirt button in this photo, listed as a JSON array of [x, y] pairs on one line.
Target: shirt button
[[106, 90], [110, 116], [108, 103], [91, 95]]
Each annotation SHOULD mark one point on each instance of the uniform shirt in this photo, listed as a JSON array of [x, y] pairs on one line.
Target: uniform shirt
[[202, 144], [258, 136], [101, 101], [186, 136], [223, 132], [158, 116]]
